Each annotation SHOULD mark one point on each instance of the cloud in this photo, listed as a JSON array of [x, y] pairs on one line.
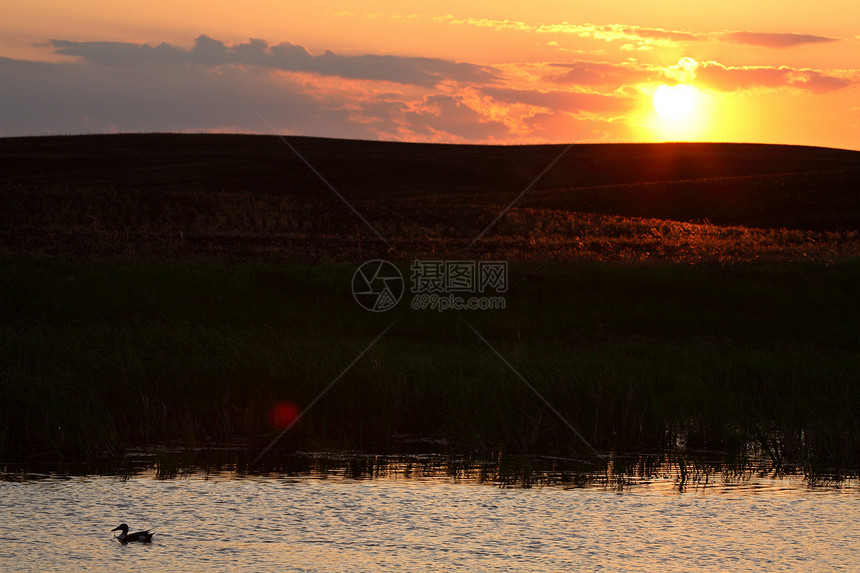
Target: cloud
[[118, 86], [599, 74], [443, 117], [214, 87], [774, 40], [640, 38], [618, 32], [71, 97], [607, 32], [729, 78], [560, 100], [425, 72], [684, 71]]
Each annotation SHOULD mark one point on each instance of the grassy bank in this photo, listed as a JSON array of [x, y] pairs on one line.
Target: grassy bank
[[98, 355]]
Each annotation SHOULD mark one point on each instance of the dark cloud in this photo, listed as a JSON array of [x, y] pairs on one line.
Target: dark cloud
[[46, 98], [38, 98], [118, 53], [424, 72], [774, 40]]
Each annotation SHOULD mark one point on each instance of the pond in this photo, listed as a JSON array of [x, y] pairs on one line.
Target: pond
[[425, 514]]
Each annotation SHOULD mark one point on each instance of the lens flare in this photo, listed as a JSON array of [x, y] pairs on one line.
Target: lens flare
[[283, 414]]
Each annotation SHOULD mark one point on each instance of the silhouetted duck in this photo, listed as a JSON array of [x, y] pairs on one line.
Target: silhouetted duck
[[126, 537]]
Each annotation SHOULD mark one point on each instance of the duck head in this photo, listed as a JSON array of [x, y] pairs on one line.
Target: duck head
[[121, 527]]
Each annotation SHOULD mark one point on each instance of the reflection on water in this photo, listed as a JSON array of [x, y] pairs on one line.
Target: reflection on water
[[367, 513], [682, 470]]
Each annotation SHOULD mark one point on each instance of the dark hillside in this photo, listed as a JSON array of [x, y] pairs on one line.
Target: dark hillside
[[769, 185], [240, 196]]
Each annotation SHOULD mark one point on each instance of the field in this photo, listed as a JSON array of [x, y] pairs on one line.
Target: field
[[250, 197], [175, 288]]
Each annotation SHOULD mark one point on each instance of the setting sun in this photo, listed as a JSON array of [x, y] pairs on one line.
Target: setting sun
[[682, 112], [675, 102]]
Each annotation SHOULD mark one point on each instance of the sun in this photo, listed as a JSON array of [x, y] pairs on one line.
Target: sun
[[675, 102], [681, 112]]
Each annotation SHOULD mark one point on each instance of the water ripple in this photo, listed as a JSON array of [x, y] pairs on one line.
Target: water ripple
[[231, 522]]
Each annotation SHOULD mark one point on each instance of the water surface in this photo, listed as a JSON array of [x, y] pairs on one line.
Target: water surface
[[405, 520]]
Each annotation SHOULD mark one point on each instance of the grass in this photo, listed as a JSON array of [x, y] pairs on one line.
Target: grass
[[240, 226], [230, 197], [101, 356]]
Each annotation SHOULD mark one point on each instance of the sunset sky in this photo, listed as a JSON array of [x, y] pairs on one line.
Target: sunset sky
[[440, 71]]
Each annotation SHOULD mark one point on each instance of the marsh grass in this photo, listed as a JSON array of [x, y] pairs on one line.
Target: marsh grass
[[100, 356]]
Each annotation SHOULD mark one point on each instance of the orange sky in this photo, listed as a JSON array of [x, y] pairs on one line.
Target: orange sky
[[505, 72]]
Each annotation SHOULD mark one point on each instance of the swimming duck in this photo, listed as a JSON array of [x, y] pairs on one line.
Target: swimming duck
[[126, 537]]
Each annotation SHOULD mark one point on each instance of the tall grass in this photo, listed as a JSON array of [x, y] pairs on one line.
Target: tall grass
[[182, 224], [98, 356]]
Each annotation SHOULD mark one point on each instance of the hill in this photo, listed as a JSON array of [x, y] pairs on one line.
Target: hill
[[256, 190]]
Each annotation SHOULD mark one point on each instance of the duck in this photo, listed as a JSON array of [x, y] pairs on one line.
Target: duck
[[126, 537]]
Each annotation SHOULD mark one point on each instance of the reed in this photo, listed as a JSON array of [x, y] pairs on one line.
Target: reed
[[98, 356]]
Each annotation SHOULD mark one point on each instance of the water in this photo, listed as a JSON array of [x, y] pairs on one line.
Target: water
[[420, 522]]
